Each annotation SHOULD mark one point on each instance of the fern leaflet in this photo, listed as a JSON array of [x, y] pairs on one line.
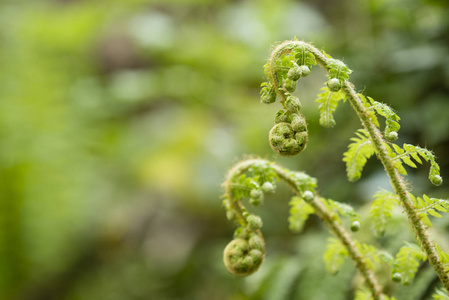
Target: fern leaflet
[[381, 209], [299, 213], [328, 104], [357, 155], [407, 261], [391, 118], [334, 255], [429, 206], [404, 155]]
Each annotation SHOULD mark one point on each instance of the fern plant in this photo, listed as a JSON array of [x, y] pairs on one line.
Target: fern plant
[[252, 179]]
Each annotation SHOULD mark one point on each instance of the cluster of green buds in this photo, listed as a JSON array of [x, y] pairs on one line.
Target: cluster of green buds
[[246, 252], [289, 135], [293, 75]]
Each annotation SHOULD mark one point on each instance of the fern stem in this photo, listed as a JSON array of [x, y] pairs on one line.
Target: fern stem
[[398, 184], [375, 135], [342, 234]]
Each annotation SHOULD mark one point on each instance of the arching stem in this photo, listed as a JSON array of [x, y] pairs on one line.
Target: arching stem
[[328, 218]]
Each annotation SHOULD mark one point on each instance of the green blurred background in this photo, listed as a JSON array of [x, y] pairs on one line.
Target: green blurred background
[[119, 119]]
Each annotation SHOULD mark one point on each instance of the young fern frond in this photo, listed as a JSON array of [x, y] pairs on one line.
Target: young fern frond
[[360, 150], [256, 177], [289, 62], [334, 256], [406, 263], [381, 209], [328, 104], [429, 206], [403, 155]]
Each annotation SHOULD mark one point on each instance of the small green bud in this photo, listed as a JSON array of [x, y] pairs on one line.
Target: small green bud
[[281, 117], [268, 187], [397, 277], [301, 139], [254, 222], [256, 193], [355, 226], [285, 141], [292, 103], [436, 179], [308, 196], [268, 98], [256, 255], [305, 70], [290, 85], [334, 85], [294, 73], [298, 123], [255, 242], [391, 136]]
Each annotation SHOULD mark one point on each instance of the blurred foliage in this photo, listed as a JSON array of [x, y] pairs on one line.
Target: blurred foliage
[[119, 118]]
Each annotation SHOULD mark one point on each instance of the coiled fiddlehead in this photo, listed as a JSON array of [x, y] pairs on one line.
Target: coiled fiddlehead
[[289, 135], [283, 68], [254, 178]]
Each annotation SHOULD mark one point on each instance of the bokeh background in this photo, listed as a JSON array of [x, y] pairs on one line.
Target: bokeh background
[[119, 119]]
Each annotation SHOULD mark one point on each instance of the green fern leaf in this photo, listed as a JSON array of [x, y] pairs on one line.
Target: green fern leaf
[[410, 151], [407, 261], [334, 255], [299, 213], [343, 209], [391, 118], [328, 104], [304, 56], [337, 69], [369, 110], [380, 212], [371, 254], [429, 206], [357, 155]]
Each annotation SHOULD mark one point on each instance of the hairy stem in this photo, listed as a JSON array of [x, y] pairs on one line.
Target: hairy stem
[[375, 135], [328, 218]]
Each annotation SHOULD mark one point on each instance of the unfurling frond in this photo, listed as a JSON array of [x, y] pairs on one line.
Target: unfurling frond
[[328, 104], [429, 206], [391, 119], [400, 155], [357, 155], [380, 212]]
